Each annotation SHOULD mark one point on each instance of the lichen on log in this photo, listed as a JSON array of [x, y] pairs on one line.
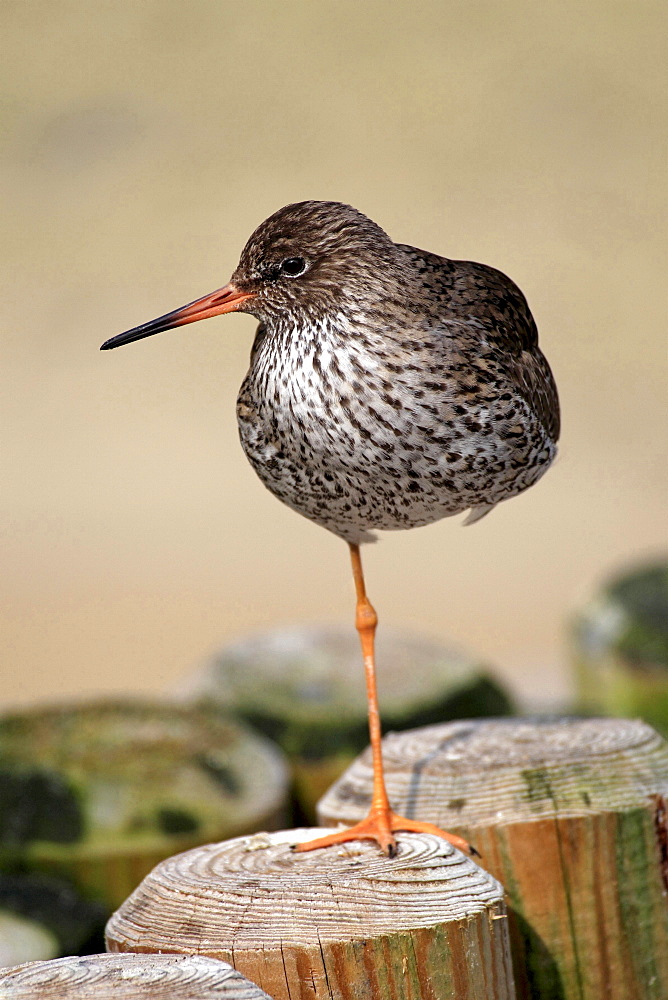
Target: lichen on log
[[568, 815], [619, 643], [98, 793]]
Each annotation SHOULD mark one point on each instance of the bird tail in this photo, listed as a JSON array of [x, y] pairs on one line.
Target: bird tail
[[477, 513]]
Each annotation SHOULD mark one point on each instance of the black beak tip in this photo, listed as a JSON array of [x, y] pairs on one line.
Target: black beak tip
[[118, 340], [129, 337], [158, 325]]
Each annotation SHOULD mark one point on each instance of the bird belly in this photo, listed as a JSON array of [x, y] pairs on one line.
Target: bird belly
[[355, 463]]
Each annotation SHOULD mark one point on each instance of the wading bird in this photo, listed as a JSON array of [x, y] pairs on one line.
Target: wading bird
[[388, 387]]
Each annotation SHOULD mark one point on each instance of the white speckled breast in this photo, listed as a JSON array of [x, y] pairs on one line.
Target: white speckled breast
[[358, 434]]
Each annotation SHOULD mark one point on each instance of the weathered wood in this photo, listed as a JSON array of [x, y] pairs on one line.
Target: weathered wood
[[568, 815], [619, 643], [428, 924], [127, 977], [99, 793], [304, 687]]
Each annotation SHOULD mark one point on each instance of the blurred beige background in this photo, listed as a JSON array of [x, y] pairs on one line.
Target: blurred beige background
[[142, 143]]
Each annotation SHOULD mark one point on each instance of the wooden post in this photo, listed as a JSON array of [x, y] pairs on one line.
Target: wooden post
[[336, 924], [127, 977], [619, 645], [569, 815], [304, 687], [98, 793]]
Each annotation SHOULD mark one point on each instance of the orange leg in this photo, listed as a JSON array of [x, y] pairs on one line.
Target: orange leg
[[381, 823]]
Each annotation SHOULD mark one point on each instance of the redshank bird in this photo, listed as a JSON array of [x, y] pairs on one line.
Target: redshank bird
[[388, 388]]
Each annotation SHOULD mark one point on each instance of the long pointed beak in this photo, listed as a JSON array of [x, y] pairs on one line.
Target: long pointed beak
[[224, 300]]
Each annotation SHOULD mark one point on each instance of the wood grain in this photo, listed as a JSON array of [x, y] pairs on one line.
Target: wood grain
[[567, 814], [127, 977], [334, 924]]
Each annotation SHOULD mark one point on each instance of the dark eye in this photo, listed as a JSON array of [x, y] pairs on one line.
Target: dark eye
[[293, 266]]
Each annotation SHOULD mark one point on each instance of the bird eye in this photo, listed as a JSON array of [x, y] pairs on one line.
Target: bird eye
[[293, 266]]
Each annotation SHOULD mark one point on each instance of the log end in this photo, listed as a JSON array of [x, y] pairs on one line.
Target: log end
[[127, 977], [341, 921]]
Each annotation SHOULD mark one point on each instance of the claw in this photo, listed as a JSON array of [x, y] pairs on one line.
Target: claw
[[380, 826]]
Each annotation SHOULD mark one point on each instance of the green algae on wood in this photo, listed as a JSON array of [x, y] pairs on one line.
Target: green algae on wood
[[331, 924], [568, 816], [619, 643], [99, 793]]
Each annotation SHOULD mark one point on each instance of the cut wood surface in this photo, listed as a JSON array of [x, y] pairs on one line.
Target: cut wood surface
[[127, 977], [569, 814], [304, 687], [334, 924]]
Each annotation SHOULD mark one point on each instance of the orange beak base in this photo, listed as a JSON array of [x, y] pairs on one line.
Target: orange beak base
[[227, 299]]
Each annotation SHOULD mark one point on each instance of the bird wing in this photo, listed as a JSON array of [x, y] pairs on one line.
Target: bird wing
[[466, 290], [494, 311]]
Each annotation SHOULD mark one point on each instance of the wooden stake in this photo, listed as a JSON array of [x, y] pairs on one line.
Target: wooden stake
[[570, 816], [334, 924], [97, 793], [304, 687], [127, 977]]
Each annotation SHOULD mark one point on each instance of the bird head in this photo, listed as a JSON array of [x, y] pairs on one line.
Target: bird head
[[310, 258]]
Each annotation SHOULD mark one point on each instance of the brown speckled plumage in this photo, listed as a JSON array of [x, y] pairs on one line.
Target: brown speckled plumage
[[388, 387]]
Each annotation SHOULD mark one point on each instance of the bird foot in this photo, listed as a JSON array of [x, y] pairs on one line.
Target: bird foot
[[381, 825]]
